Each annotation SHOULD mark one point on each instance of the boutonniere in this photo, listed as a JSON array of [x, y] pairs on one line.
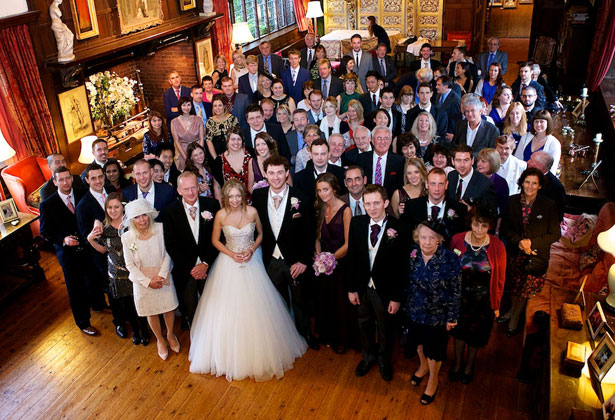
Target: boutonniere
[[539, 216], [393, 173], [207, 215], [294, 203], [451, 214], [391, 233], [457, 252], [133, 247], [413, 254]]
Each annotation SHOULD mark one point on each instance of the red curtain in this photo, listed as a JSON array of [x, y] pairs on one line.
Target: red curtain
[[603, 45], [302, 21], [25, 119], [222, 30]]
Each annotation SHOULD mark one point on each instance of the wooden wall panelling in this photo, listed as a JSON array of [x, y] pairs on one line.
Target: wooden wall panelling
[[458, 16], [510, 23]]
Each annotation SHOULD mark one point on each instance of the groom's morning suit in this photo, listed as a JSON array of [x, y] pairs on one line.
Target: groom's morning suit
[[188, 242], [287, 239], [377, 273]]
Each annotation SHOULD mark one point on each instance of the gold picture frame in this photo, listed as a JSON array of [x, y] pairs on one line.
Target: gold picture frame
[[187, 5], [75, 110], [136, 15], [204, 57], [8, 211], [509, 4], [84, 18]]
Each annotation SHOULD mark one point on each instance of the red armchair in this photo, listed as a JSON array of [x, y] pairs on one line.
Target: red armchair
[[24, 177]]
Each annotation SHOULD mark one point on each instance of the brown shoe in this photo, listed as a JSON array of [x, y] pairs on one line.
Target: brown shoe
[[90, 330]]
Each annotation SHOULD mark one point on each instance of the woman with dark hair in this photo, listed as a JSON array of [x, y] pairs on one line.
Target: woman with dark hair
[[264, 147], [333, 318], [186, 128], [196, 163], [540, 138], [308, 86], [218, 126], [487, 86], [235, 161], [350, 92], [483, 273], [156, 135], [208, 89], [499, 105], [114, 175], [530, 226], [407, 145], [319, 53], [404, 103], [440, 158], [279, 97], [381, 117], [463, 77]]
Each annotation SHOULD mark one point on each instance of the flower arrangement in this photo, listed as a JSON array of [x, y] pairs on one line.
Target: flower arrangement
[[260, 184], [111, 97], [324, 263]]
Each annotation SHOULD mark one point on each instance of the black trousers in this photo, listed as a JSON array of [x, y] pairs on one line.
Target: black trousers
[[128, 313], [374, 318], [279, 273], [78, 284], [188, 291]]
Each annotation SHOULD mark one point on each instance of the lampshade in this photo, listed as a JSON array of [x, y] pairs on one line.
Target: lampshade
[[6, 151], [314, 10], [606, 241], [241, 33], [86, 156]]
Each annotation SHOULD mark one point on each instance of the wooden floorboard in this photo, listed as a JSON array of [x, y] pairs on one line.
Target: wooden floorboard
[[50, 370]]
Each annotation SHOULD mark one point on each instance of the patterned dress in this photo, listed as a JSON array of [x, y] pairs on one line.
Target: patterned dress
[[119, 283], [216, 132]]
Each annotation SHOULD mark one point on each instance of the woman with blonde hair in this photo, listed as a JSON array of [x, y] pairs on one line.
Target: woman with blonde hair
[[425, 129], [414, 185], [220, 70], [515, 122], [238, 68], [263, 87], [354, 116], [284, 117]]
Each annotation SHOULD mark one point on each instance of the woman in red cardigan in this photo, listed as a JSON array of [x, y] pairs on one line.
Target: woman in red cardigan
[[483, 262]]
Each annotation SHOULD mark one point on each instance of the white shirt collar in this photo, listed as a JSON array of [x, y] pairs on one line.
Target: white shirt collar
[[254, 132], [280, 194], [338, 162], [427, 108], [188, 206], [466, 179], [380, 223], [65, 197], [150, 191]]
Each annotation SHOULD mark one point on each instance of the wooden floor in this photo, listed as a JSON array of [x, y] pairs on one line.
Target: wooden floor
[[50, 370]]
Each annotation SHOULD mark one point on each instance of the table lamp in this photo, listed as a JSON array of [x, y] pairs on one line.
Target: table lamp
[[314, 11], [86, 156], [6, 151], [241, 34], [606, 242]]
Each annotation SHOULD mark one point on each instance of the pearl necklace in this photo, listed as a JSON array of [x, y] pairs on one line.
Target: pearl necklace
[[480, 247]]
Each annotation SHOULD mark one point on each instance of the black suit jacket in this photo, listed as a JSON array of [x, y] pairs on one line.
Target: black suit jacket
[[275, 131], [438, 114], [393, 171], [487, 133], [89, 210], [388, 274], [304, 61], [49, 188], [452, 107], [416, 64], [305, 181], [240, 104], [178, 238], [415, 211], [243, 86], [164, 194], [367, 104], [480, 189], [297, 223], [57, 222], [336, 88], [553, 189], [543, 229], [277, 65], [391, 69], [173, 174], [541, 100]]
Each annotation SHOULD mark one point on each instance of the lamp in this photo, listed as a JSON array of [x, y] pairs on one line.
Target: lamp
[[314, 11], [86, 156], [6, 151], [241, 34], [606, 242]]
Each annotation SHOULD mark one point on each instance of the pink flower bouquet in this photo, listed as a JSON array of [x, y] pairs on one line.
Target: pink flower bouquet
[[324, 263]]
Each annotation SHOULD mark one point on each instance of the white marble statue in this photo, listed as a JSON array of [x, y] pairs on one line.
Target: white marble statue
[[64, 37], [208, 7]]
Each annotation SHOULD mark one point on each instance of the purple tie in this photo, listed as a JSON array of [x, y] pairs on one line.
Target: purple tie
[[378, 177], [374, 234], [435, 211]]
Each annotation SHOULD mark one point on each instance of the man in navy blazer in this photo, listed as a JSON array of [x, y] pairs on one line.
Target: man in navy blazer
[[158, 194], [467, 185], [269, 63], [448, 101], [494, 55], [239, 101], [257, 124], [248, 83], [425, 60], [294, 77], [385, 66], [171, 96]]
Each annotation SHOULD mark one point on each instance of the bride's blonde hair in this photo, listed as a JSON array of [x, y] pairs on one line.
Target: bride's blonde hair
[[226, 189]]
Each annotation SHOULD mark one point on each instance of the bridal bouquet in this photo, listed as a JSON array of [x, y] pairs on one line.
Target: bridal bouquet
[[324, 263], [111, 96]]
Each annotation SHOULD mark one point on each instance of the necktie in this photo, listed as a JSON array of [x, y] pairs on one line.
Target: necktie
[[356, 59], [177, 93], [199, 112], [325, 91], [309, 60], [491, 57], [269, 63], [378, 176], [103, 197], [294, 72], [374, 234], [70, 205], [276, 201], [384, 70], [229, 105], [193, 212], [144, 194], [435, 211], [357, 209], [459, 187], [374, 99]]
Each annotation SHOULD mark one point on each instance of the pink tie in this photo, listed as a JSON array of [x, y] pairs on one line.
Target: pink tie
[[378, 177], [70, 205]]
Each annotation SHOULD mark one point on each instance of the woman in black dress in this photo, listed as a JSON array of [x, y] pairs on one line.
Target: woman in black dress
[[114, 175], [220, 71]]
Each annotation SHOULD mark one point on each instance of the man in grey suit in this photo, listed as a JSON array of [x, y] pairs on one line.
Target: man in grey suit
[[362, 59], [494, 55], [385, 65], [474, 131], [239, 101]]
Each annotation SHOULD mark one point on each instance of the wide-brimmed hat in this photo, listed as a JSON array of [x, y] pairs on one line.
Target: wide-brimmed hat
[[139, 207], [437, 226]]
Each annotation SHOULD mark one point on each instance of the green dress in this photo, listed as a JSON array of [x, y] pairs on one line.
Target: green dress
[[345, 99]]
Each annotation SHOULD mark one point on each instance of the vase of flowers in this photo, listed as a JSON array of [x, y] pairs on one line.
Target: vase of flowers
[[111, 97]]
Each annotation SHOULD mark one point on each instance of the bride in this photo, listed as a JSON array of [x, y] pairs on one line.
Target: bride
[[241, 327]]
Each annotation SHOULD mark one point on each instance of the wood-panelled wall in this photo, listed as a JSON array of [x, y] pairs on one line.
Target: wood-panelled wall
[[510, 23]]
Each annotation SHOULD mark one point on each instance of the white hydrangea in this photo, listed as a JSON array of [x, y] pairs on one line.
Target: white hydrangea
[[110, 95]]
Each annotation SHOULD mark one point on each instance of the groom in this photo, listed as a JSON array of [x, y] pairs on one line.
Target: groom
[[187, 225], [287, 239], [378, 248]]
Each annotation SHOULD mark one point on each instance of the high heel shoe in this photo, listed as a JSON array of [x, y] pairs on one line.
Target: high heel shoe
[[428, 399], [502, 319], [163, 354], [175, 348]]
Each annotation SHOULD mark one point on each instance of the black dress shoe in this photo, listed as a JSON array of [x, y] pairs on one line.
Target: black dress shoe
[[466, 379], [312, 342], [121, 332], [136, 338], [428, 399], [90, 330], [363, 367], [386, 371], [185, 324]]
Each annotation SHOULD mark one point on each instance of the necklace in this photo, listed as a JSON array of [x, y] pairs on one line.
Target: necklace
[[480, 247]]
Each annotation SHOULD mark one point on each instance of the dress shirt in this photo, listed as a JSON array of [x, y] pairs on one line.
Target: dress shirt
[[66, 197], [253, 81], [150, 194], [465, 181], [354, 57], [373, 250], [430, 205], [317, 172], [383, 66], [253, 132], [443, 97], [300, 141], [354, 203], [100, 197], [167, 175], [101, 164], [471, 134], [511, 171], [338, 162], [200, 107], [194, 224], [425, 64], [371, 96], [327, 82], [317, 115], [427, 108], [383, 165], [294, 73], [309, 55]]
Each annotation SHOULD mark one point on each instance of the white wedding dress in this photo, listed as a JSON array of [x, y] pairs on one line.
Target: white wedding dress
[[242, 327]]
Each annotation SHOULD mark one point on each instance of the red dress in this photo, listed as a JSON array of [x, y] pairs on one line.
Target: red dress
[[228, 172]]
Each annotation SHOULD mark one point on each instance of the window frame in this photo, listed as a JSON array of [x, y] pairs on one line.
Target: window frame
[[259, 37]]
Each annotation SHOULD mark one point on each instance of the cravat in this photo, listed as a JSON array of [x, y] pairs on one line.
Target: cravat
[[276, 201], [357, 209], [193, 212], [325, 91], [435, 211], [144, 194], [378, 176], [374, 99], [70, 205], [459, 187], [384, 70], [374, 234], [491, 57]]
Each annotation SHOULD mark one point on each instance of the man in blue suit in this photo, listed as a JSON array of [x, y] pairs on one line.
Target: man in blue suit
[[238, 101], [448, 101], [494, 55], [294, 77], [158, 194], [248, 83], [269, 63], [171, 96]]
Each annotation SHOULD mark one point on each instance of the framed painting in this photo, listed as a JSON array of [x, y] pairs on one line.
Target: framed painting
[[204, 57], [187, 4], [8, 211], [84, 18], [136, 15], [496, 3], [509, 4], [75, 113], [526, 1]]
